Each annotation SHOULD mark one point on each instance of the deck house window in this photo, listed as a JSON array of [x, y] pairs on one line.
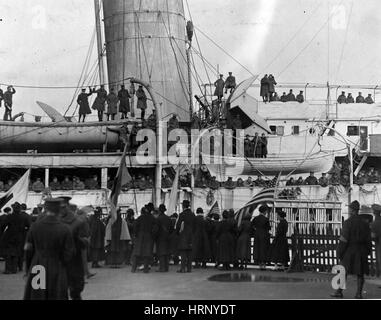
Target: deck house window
[[295, 130], [280, 131], [353, 131], [273, 129]]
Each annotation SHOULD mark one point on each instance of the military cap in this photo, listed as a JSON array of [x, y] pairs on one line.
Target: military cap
[[16, 206], [186, 203], [54, 204], [199, 211]]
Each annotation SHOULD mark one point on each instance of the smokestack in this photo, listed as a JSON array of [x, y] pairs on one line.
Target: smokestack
[[147, 39]]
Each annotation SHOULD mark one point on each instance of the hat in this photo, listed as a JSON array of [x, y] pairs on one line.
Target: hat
[[376, 208], [281, 214], [66, 199], [24, 207], [355, 205], [186, 203], [7, 209], [162, 208], [16, 206], [264, 208], [199, 211], [53, 205]]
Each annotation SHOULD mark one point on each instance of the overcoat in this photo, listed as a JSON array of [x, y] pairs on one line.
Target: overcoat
[[262, 227], [142, 99], [52, 246], [145, 230], [225, 237], [100, 100], [201, 245], [97, 238], [112, 103], [244, 241], [163, 237], [279, 248], [220, 85], [124, 101], [185, 228], [83, 101]]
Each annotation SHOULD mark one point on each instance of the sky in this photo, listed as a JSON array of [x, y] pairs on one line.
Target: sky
[[44, 42]]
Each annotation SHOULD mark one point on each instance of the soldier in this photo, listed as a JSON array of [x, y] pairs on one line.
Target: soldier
[[78, 184], [290, 96], [142, 101], [67, 184], [130, 219], [84, 107], [38, 186], [261, 225], [342, 98], [360, 98], [300, 97], [8, 103], [350, 98], [185, 228], [368, 99], [230, 184], [323, 180], [200, 242], [263, 144], [145, 230], [100, 101], [50, 245], [124, 102], [173, 123], [354, 247], [230, 83], [151, 121], [283, 98], [376, 235], [219, 91], [12, 240], [163, 239], [311, 180], [92, 184], [55, 185], [265, 87], [272, 84], [112, 105], [75, 267]]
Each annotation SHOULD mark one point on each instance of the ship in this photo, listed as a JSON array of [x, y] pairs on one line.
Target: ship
[[150, 44]]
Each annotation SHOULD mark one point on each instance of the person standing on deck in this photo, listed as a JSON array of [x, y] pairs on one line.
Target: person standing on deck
[[1, 96], [97, 238], [124, 102], [264, 143], [100, 101], [360, 98], [243, 251], [300, 97], [49, 244], [83, 102], [163, 239], [265, 87], [112, 105], [142, 101], [368, 99], [219, 91], [225, 236], [8, 103], [272, 84], [230, 83], [354, 248], [376, 235], [291, 97], [261, 225]]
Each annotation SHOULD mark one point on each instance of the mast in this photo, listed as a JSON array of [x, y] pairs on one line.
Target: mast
[[97, 7]]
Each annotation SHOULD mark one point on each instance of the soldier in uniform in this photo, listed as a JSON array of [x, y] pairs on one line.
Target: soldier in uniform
[[49, 244], [261, 225], [272, 84], [368, 99], [342, 98], [300, 97], [311, 180], [55, 185], [12, 241], [84, 107], [124, 102], [8, 103], [97, 238], [265, 87], [291, 96], [112, 105], [67, 184], [230, 83], [376, 235], [350, 98], [219, 91], [75, 267], [145, 230], [185, 228], [142, 101], [360, 98], [279, 250], [100, 101], [354, 248], [163, 239]]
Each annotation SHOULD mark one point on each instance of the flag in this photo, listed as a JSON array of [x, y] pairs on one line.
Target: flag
[[123, 177], [266, 195], [174, 192], [215, 209], [18, 193]]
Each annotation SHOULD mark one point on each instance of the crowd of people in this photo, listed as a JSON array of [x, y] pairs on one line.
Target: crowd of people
[[359, 99], [65, 239]]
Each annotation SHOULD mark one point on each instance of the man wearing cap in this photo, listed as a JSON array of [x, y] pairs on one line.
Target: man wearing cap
[[230, 83], [261, 225], [83, 102], [75, 267], [219, 91], [360, 98], [142, 101], [49, 244], [12, 240], [300, 97], [311, 180], [163, 238], [342, 98], [185, 228], [354, 247], [350, 98], [8, 103], [369, 99], [376, 235]]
